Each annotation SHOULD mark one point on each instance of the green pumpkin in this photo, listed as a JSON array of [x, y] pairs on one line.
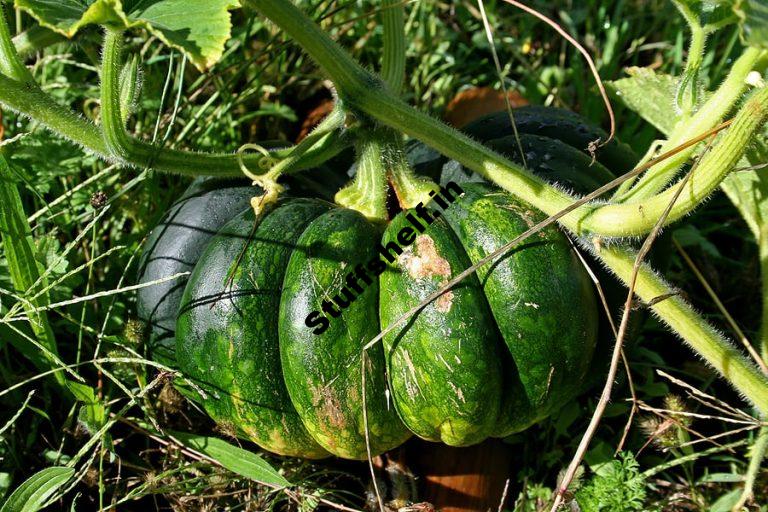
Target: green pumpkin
[[272, 324]]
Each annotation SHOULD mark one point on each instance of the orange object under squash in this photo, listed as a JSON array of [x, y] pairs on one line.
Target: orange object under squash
[[474, 103]]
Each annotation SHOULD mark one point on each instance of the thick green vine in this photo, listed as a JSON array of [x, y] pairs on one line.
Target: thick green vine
[[381, 154], [722, 355], [20, 93], [714, 167], [365, 92], [410, 188], [124, 148], [709, 115]]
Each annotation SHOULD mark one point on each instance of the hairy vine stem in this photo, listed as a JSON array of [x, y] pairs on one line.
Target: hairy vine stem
[[684, 320], [710, 113], [410, 188], [365, 92], [687, 92], [29, 100], [19, 92], [124, 148], [713, 169], [367, 194]]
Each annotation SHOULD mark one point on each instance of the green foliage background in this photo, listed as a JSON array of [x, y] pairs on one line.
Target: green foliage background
[[261, 89]]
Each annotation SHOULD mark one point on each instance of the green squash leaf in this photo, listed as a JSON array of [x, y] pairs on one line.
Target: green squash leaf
[[235, 459], [649, 94], [31, 495], [753, 16], [199, 28]]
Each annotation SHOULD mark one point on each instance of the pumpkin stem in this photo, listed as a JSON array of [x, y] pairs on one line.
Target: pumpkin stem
[[410, 188], [367, 193]]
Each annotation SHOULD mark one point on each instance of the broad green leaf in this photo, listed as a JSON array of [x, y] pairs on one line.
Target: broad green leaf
[[199, 28], [82, 393], [32, 494], [235, 459], [67, 16], [753, 21], [649, 94]]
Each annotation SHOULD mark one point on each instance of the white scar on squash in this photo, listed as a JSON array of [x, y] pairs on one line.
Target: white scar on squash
[[424, 262], [412, 383], [458, 391]]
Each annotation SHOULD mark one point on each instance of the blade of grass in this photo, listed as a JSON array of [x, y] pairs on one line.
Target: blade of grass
[[235, 459], [20, 250]]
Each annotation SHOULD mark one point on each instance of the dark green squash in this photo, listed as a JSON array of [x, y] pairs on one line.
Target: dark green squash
[[541, 298], [245, 338], [572, 169], [555, 123], [269, 361], [174, 246], [178, 240]]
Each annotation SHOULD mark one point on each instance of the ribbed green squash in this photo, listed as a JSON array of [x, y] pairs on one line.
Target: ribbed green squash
[[556, 123], [445, 363], [226, 334], [540, 296], [174, 246], [495, 354], [569, 168], [324, 373], [498, 352]]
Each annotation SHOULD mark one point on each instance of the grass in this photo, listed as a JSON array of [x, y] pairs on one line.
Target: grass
[[261, 90]]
